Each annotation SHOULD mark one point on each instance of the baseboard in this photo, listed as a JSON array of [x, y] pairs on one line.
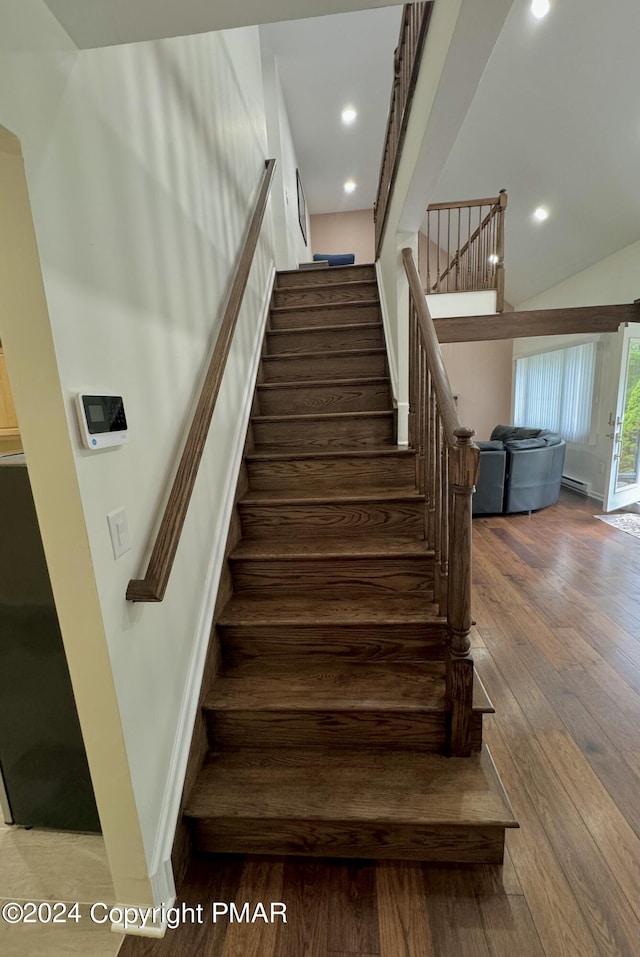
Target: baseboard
[[384, 309], [161, 872], [403, 423]]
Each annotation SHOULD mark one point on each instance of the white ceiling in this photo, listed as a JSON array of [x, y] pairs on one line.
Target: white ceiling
[[99, 23], [555, 118], [326, 64]]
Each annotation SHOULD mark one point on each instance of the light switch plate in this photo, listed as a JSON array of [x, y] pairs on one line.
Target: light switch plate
[[119, 531]]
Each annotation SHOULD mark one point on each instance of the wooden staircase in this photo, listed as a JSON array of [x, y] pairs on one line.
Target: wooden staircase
[[327, 718]]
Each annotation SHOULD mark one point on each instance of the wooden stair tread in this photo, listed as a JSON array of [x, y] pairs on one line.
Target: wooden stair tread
[[335, 686], [371, 452], [379, 546], [317, 330], [323, 354], [351, 786], [329, 383], [288, 496], [324, 416], [302, 609], [331, 284], [308, 307]]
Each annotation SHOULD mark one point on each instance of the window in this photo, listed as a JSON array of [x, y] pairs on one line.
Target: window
[[554, 391]]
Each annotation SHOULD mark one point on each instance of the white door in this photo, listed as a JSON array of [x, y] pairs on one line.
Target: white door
[[623, 480]]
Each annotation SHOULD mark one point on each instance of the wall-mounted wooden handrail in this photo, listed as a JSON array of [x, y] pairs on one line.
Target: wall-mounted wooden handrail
[[153, 586], [406, 63]]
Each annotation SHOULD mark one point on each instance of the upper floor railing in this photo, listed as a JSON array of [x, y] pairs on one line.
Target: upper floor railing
[[465, 247], [152, 587], [406, 62], [447, 463]]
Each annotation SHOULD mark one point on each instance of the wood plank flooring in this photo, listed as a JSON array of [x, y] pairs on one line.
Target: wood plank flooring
[[557, 646]]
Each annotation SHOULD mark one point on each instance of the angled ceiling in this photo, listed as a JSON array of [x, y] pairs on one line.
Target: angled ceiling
[[100, 23], [556, 121]]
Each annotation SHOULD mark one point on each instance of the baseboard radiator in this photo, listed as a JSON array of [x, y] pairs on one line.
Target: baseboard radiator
[[575, 485]]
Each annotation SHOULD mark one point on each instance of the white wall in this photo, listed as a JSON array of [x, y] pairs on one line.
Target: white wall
[[142, 164], [347, 232], [290, 245], [615, 279]]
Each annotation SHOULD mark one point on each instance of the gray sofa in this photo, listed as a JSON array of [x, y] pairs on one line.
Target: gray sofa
[[520, 470]]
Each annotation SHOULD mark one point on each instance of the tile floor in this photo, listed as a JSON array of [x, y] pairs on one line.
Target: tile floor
[[49, 866]]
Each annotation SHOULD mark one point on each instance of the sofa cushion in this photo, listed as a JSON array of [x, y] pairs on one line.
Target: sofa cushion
[[506, 433], [526, 444], [486, 446], [550, 438]]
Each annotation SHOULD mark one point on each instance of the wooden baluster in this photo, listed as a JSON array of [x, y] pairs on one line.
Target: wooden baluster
[[412, 375], [432, 466], [438, 249], [448, 249], [437, 512], [424, 365], [425, 398], [428, 251], [446, 521], [457, 287], [500, 253]]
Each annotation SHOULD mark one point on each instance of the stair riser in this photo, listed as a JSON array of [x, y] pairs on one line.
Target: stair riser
[[325, 340], [317, 434], [325, 398], [325, 316], [331, 520], [401, 730], [325, 294], [373, 643], [315, 277], [334, 576], [319, 367], [458, 845], [392, 472]]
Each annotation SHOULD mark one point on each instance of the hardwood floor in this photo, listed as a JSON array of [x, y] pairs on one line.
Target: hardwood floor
[[557, 645]]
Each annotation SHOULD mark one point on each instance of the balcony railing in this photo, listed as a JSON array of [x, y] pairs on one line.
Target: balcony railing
[[465, 247], [406, 63]]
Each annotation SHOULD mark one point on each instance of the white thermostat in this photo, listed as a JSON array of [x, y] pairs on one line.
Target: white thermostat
[[102, 420]]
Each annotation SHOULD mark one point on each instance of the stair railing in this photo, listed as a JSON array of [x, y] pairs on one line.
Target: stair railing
[[406, 63], [153, 586], [447, 464], [465, 246]]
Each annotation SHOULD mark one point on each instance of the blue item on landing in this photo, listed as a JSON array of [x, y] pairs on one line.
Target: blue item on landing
[[336, 259]]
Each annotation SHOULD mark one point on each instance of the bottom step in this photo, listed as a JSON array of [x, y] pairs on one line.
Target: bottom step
[[351, 804]]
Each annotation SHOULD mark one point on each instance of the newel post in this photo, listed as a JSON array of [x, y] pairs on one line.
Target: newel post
[[463, 472]]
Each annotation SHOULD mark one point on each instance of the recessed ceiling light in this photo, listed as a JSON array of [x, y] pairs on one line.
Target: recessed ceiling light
[[348, 115], [349, 186], [540, 8], [541, 214]]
